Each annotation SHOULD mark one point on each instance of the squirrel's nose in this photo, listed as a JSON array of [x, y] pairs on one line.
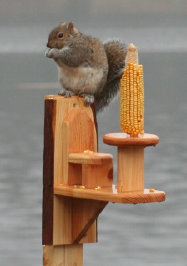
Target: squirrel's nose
[[49, 45]]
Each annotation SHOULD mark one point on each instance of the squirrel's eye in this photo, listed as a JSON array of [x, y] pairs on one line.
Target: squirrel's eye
[[60, 35]]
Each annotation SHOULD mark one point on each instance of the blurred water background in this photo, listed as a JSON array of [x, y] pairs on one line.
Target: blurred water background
[[133, 235]]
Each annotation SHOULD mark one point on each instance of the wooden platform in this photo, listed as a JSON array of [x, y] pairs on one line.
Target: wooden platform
[[110, 194], [122, 140]]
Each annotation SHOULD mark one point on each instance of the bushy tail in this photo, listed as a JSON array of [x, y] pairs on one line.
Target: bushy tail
[[116, 54]]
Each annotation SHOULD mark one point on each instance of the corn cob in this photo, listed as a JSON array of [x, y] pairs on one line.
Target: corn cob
[[132, 95]]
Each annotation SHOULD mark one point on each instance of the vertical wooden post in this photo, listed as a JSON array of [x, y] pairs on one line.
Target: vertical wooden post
[[130, 169], [68, 255]]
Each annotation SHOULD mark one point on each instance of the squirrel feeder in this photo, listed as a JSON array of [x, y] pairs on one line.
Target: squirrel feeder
[[78, 180]]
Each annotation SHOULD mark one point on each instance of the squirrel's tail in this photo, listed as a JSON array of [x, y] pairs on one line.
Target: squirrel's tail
[[116, 54]]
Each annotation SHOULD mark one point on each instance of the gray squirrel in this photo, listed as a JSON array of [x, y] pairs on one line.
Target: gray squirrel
[[86, 67]]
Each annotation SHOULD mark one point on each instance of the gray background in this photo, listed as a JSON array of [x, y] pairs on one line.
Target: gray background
[[137, 235]]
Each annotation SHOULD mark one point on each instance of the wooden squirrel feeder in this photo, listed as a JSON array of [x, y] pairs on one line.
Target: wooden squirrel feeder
[[78, 180]]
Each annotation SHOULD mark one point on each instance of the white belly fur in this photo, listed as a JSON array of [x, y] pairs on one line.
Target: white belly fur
[[80, 79]]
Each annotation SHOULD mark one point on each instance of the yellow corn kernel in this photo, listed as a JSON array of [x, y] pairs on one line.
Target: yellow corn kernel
[[82, 187], [88, 152], [97, 188]]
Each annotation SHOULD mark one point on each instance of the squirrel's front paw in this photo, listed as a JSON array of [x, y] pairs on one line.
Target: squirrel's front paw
[[51, 53], [88, 99], [66, 93], [48, 53], [62, 92]]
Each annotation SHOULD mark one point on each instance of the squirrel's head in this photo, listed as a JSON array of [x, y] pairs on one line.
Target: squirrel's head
[[59, 35]]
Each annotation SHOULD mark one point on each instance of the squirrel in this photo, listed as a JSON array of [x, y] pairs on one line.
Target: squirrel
[[86, 66]]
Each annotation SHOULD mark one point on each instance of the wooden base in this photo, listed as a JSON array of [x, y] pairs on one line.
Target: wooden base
[[110, 194]]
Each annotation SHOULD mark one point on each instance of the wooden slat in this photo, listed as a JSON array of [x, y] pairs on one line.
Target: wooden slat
[[62, 230], [48, 169]]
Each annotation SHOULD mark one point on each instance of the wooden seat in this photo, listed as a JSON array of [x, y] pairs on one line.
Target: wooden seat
[[89, 158], [91, 169]]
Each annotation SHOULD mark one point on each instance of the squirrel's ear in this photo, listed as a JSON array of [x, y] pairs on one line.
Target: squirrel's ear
[[70, 26], [62, 23]]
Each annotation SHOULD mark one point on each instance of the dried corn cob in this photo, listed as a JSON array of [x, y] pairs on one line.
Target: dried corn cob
[[132, 95]]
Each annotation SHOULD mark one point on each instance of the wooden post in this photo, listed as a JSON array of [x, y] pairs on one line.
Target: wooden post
[[130, 169], [68, 255]]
